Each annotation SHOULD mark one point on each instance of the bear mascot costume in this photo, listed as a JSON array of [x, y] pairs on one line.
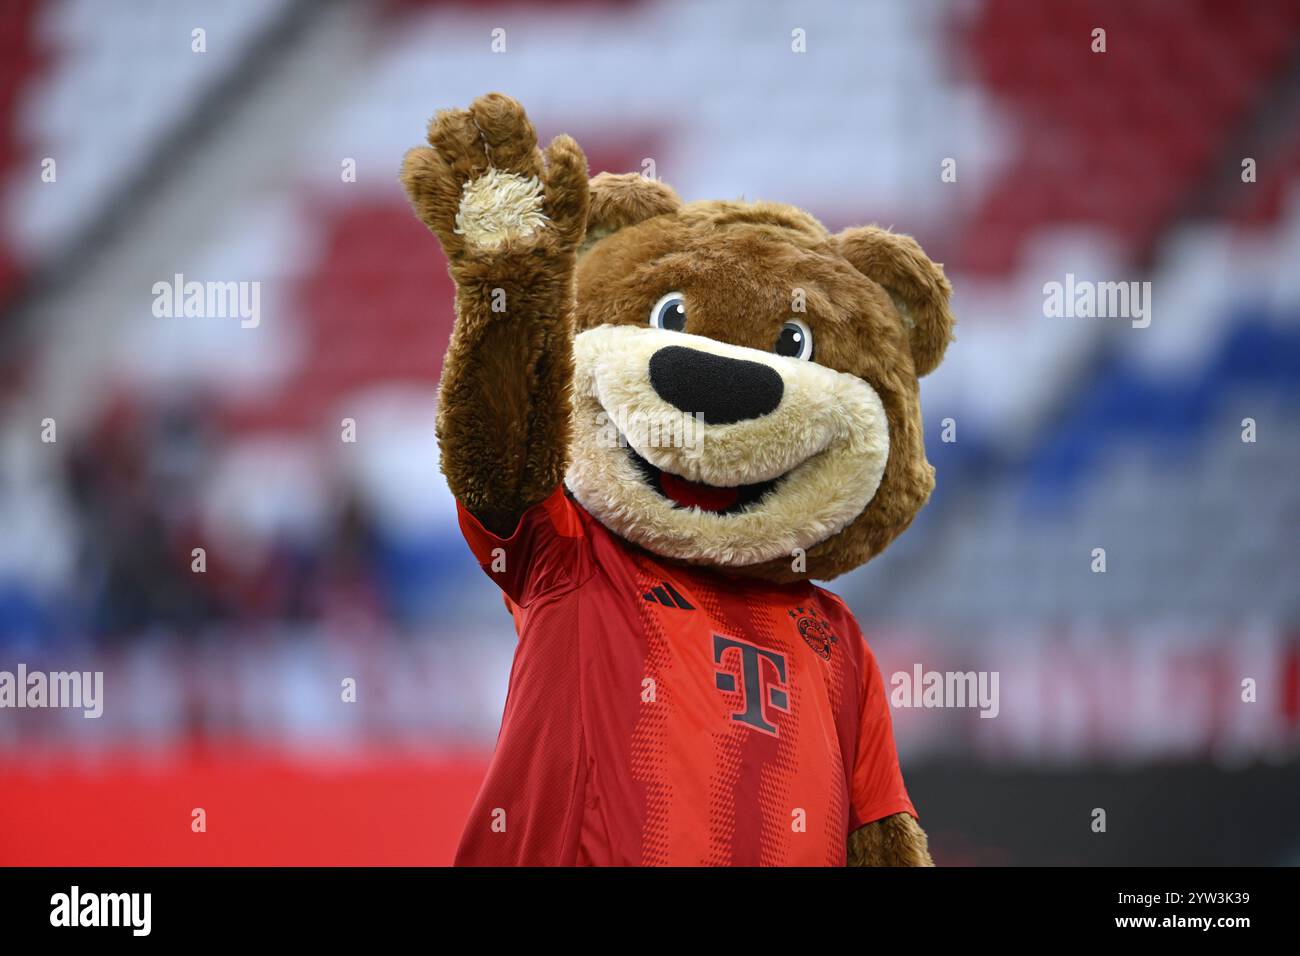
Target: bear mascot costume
[[661, 422]]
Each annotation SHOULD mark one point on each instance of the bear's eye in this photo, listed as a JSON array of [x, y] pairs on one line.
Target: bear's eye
[[795, 340], [669, 313]]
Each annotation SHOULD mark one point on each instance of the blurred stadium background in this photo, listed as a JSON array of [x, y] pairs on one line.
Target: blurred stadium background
[[328, 559]]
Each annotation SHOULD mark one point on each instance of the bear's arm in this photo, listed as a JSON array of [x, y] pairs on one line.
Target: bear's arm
[[897, 840], [503, 406], [510, 221]]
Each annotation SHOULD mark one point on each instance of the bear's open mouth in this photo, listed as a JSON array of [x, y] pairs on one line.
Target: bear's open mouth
[[685, 493]]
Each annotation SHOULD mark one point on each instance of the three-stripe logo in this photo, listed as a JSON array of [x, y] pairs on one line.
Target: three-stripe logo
[[668, 596]]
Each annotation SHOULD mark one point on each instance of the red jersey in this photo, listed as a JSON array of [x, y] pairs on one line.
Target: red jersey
[[663, 714]]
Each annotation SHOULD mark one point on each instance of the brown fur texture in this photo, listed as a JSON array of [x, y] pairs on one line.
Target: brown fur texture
[[624, 199], [893, 841], [739, 264], [605, 252], [503, 416]]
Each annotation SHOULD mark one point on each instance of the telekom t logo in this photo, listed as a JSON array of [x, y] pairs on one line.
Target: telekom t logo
[[758, 693]]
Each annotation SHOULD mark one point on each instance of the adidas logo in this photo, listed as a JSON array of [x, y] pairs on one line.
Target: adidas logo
[[668, 596]]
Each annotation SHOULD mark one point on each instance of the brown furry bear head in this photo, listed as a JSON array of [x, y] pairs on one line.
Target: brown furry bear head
[[745, 383]]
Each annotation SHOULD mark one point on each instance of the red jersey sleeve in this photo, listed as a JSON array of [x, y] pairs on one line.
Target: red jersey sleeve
[[544, 554], [877, 789]]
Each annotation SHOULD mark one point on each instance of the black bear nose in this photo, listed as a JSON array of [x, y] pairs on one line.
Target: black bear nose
[[723, 389]]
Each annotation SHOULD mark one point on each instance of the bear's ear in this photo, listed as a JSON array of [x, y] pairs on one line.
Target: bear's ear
[[918, 287], [619, 200]]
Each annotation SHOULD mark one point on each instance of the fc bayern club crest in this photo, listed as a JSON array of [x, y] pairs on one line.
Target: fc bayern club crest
[[815, 630]]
